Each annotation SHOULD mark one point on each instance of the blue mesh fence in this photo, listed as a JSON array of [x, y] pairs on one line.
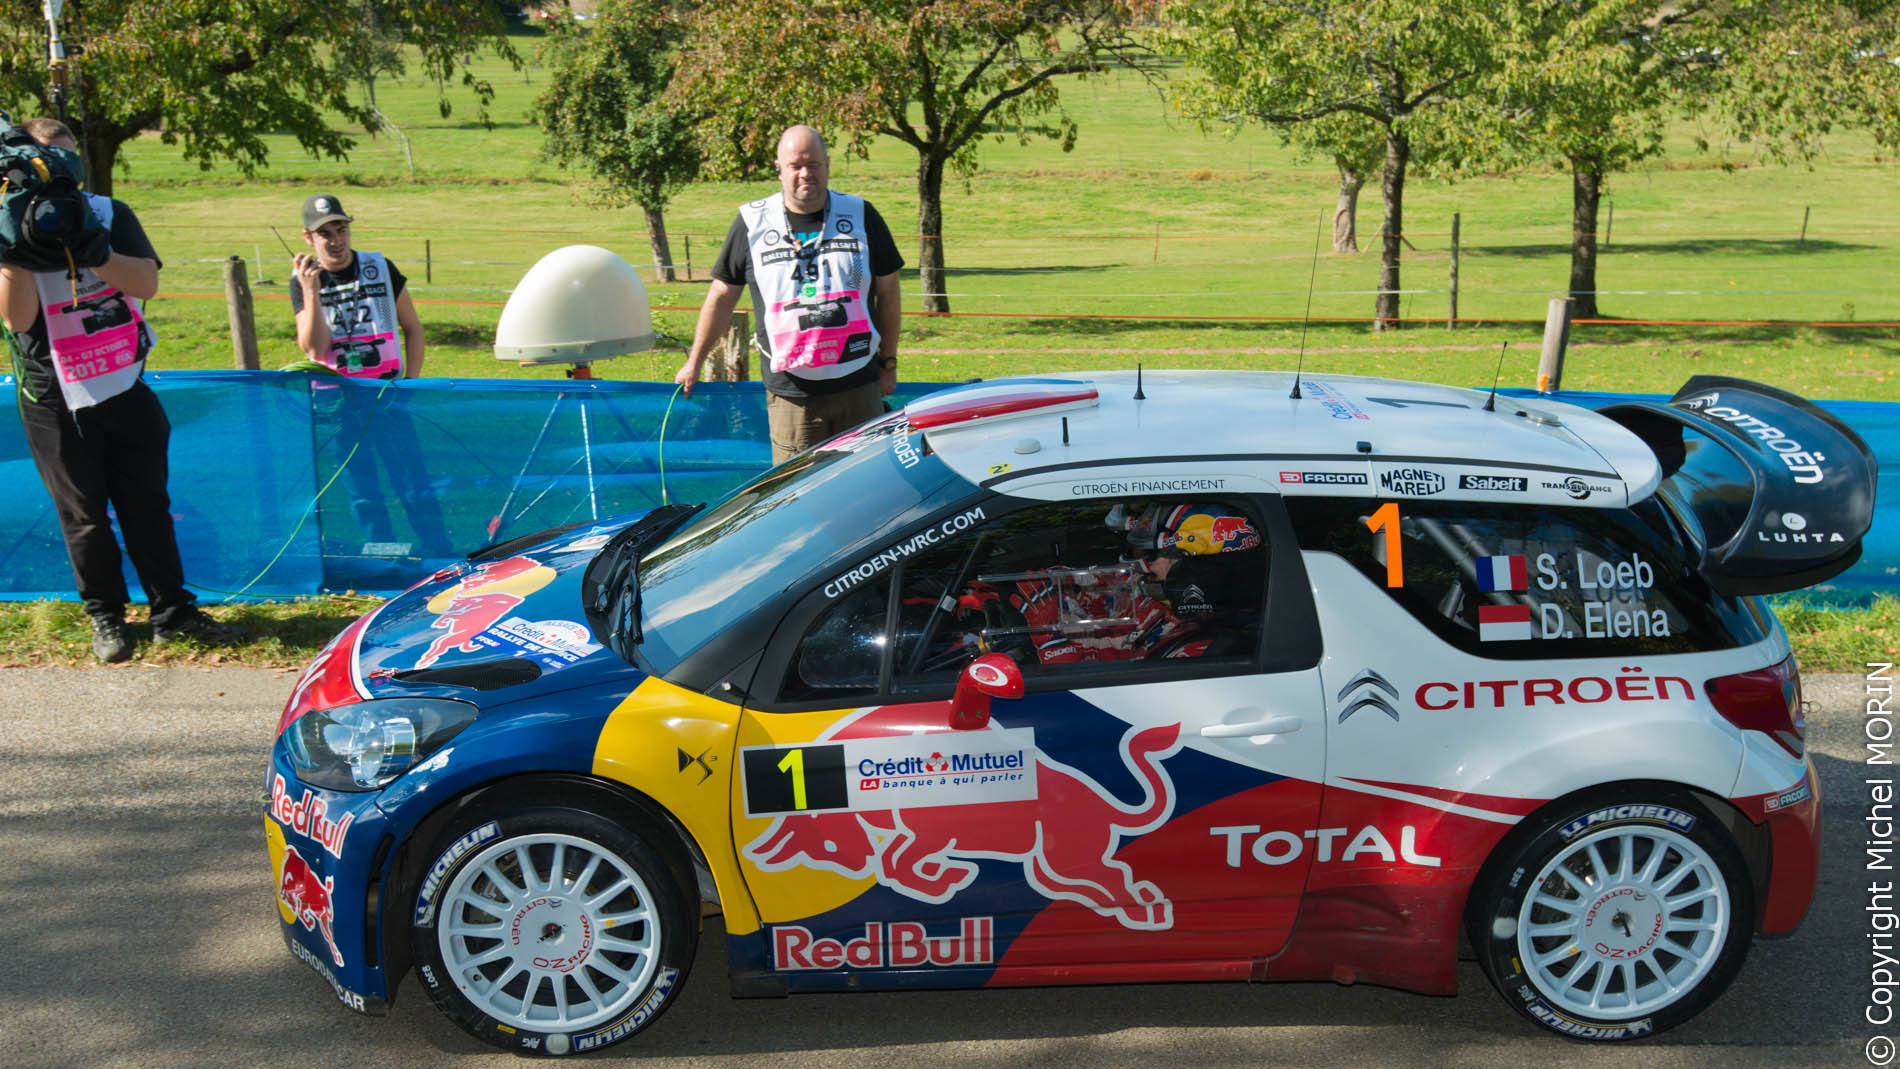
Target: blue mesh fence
[[267, 507]]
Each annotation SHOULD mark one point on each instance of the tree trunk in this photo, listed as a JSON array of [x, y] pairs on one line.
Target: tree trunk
[[100, 155], [1346, 217], [662, 249], [1586, 194], [1392, 183], [930, 276]]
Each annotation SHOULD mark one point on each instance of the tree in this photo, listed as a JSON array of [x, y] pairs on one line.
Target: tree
[[604, 105], [371, 51], [1394, 63], [934, 74], [1594, 83], [1794, 72], [1357, 148], [215, 76]]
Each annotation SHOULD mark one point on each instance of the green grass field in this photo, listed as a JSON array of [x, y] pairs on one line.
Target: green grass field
[[1152, 241]]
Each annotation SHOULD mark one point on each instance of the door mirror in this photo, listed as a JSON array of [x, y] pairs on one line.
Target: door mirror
[[993, 675]]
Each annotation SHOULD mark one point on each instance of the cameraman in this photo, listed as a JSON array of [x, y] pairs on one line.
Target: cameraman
[[97, 433]]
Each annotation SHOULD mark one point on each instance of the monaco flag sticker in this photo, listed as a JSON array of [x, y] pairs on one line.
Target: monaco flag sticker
[[1504, 623]]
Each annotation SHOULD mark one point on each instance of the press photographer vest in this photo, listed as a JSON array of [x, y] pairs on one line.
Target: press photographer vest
[[813, 316], [364, 339], [96, 336]]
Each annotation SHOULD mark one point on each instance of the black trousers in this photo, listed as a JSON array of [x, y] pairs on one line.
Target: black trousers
[[112, 453]]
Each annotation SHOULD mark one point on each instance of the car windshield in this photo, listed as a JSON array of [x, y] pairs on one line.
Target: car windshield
[[758, 542]]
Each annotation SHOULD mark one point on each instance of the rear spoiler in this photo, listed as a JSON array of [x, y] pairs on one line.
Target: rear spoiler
[[1783, 491]]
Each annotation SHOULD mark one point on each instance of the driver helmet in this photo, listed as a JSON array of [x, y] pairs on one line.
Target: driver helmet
[[1190, 530]]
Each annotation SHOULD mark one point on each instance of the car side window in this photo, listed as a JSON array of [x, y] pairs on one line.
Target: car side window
[[1062, 588], [1530, 581], [842, 654]]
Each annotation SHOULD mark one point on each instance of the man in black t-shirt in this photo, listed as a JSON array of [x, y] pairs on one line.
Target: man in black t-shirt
[[355, 315], [97, 433], [821, 268], [350, 307]]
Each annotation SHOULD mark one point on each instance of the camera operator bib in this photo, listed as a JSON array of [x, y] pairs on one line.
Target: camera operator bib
[[362, 316], [813, 291], [97, 336]]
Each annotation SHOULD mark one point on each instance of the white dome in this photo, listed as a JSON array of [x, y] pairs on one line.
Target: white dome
[[577, 304]]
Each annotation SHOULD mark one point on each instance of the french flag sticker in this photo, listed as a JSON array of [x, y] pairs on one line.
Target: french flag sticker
[[1502, 573], [1504, 623]]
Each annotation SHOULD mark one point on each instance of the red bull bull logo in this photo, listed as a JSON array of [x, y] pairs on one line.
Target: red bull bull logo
[[309, 898], [1064, 836], [479, 602]]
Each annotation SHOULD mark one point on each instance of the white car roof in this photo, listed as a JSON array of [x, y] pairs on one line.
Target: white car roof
[[1241, 431]]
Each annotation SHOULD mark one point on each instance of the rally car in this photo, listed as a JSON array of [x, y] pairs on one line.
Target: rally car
[[1101, 678]]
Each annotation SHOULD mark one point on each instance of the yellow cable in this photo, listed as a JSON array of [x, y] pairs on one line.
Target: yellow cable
[[663, 419]]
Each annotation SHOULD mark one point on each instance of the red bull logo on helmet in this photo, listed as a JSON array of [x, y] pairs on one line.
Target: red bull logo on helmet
[[1198, 531]]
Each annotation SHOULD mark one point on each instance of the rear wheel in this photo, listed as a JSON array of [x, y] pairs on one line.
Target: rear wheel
[[1616, 919], [551, 930]]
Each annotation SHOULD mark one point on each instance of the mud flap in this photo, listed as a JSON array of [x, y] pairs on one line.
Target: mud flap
[[1782, 490]]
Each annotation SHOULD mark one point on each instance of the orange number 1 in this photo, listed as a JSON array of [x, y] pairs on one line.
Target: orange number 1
[[1387, 517]]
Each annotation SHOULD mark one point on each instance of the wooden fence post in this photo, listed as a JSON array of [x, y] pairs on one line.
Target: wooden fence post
[[1550, 365], [237, 303], [1451, 323], [428, 262]]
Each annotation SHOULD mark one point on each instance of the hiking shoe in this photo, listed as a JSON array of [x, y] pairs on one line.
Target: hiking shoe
[[195, 625], [111, 642]]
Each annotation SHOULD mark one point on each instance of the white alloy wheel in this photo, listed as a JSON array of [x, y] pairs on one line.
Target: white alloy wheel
[[1617, 916], [1623, 921], [549, 932], [553, 929]]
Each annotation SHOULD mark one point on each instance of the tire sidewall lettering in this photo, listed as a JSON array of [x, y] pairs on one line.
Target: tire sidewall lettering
[[1494, 922], [678, 936]]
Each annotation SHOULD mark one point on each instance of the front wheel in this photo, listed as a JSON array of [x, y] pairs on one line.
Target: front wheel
[[551, 930], [1616, 919]]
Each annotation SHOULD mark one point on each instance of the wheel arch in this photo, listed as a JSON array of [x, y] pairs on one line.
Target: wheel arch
[[1751, 840], [409, 861]]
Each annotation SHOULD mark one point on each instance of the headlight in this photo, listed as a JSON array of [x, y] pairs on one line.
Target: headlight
[[364, 746]]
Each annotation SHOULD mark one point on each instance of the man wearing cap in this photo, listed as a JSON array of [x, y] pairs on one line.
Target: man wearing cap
[[822, 269], [350, 305], [97, 433]]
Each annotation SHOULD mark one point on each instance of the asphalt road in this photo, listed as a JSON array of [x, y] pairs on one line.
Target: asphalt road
[[137, 928]]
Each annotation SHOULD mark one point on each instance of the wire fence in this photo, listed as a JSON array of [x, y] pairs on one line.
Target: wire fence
[[1840, 278]]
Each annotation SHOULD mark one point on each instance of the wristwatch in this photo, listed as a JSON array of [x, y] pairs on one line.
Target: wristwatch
[[886, 363]]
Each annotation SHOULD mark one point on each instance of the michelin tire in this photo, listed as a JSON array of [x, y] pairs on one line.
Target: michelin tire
[[1615, 918], [551, 930]]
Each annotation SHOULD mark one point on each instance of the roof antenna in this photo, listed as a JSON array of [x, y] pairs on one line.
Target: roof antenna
[[1139, 396], [1491, 402], [1308, 317]]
